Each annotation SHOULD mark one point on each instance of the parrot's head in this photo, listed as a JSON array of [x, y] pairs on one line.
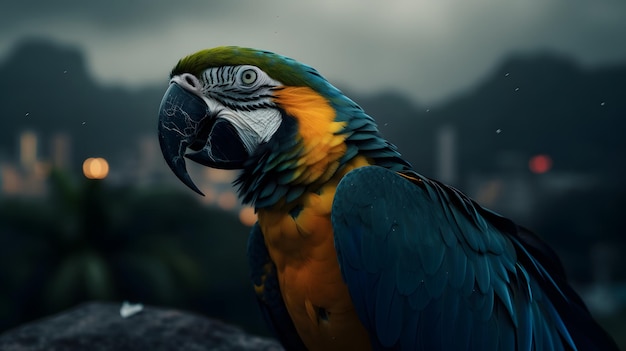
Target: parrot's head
[[278, 120]]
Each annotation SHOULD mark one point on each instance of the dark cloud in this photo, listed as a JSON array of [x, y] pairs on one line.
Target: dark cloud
[[107, 14], [430, 49]]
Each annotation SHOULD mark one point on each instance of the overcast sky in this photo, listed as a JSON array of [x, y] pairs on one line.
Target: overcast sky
[[427, 49]]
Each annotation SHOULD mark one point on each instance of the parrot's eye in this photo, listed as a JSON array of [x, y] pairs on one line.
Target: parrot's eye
[[248, 76]]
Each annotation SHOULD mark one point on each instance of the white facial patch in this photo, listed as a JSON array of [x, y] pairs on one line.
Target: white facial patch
[[242, 95], [254, 127]]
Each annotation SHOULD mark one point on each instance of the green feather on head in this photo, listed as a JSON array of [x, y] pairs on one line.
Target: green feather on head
[[281, 68]]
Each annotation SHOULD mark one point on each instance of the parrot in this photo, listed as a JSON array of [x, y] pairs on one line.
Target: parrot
[[353, 249]]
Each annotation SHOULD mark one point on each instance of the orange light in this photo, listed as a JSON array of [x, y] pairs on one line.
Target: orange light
[[210, 195], [247, 216], [227, 200], [540, 164], [95, 168], [217, 175]]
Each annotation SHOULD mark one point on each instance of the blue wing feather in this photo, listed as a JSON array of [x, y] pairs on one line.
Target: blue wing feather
[[428, 269]]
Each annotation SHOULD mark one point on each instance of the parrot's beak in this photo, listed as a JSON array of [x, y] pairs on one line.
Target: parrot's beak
[[185, 121]]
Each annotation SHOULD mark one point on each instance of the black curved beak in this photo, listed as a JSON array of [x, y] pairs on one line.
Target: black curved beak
[[185, 122], [180, 115]]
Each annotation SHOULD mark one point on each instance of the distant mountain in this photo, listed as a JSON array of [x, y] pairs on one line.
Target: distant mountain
[[530, 104], [46, 88], [540, 103], [544, 104]]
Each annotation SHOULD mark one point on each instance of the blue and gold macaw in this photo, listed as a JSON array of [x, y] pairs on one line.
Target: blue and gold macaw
[[354, 250]]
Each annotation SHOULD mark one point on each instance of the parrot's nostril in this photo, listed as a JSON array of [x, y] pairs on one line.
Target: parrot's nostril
[[190, 81]]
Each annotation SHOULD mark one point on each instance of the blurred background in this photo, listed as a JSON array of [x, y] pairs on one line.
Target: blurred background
[[520, 105]]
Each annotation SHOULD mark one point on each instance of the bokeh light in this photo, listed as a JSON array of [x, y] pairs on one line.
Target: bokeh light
[[95, 168], [540, 164], [227, 200], [247, 216]]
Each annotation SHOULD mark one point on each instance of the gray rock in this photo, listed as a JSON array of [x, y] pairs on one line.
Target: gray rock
[[98, 326]]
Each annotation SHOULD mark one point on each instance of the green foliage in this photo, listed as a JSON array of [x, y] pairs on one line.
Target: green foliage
[[615, 325], [91, 242]]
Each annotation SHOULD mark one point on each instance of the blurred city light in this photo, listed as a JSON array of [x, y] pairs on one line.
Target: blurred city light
[[95, 168], [540, 164], [247, 216], [227, 200]]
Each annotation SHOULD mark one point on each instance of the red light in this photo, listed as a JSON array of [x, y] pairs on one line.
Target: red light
[[540, 164]]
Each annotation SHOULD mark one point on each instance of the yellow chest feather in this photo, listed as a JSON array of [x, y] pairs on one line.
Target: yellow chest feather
[[302, 248]]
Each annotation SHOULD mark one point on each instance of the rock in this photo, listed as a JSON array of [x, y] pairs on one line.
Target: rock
[[99, 326]]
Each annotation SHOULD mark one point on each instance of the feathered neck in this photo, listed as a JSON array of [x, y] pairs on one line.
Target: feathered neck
[[316, 140]]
